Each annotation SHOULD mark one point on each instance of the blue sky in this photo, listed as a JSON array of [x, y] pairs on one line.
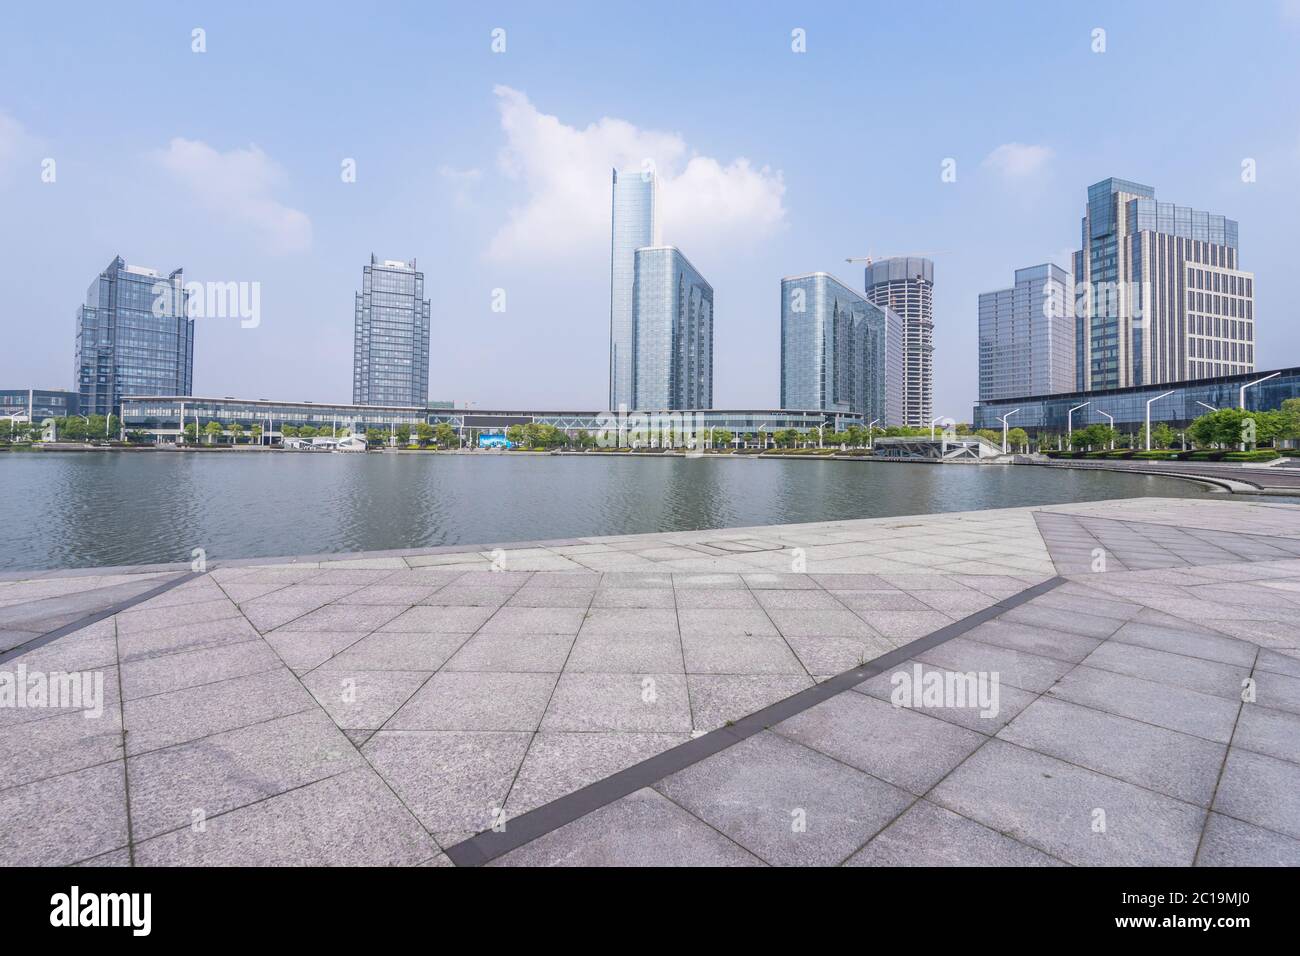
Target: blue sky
[[492, 168]]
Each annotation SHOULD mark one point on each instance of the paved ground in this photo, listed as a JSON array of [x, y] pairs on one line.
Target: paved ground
[[1278, 480], [706, 697]]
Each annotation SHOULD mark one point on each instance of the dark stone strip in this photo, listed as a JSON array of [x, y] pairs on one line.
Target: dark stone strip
[[488, 845], [96, 617]]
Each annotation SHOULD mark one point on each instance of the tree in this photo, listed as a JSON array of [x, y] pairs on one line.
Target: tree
[[722, 437], [236, 430], [191, 432], [255, 433], [213, 430], [423, 433], [1094, 436], [1231, 426], [403, 434], [1018, 438], [445, 435], [289, 431], [1290, 418]]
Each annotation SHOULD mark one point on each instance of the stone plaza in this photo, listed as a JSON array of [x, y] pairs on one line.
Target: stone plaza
[[720, 697]]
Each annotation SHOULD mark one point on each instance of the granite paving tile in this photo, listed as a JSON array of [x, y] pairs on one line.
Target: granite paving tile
[[351, 819], [1061, 809], [928, 835], [642, 829], [787, 804]]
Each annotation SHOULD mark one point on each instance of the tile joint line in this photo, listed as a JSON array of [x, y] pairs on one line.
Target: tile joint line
[[490, 844]]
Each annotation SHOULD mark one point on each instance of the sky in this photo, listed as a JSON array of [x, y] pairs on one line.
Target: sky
[[482, 138]]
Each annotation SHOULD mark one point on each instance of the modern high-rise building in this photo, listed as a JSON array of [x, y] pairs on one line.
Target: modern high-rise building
[[1027, 335], [1160, 294], [906, 286], [672, 319], [134, 337], [840, 352], [390, 360], [633, 228]]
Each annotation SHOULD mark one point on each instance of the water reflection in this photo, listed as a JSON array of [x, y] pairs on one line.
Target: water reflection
[[91, 509]]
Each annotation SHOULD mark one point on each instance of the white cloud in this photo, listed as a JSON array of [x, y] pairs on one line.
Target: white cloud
[[15, 145], [237, 186], [566, 171], [1018, 160], [461, 183]]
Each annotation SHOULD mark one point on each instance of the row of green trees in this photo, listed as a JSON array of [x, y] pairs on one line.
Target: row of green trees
[[1225, 428]]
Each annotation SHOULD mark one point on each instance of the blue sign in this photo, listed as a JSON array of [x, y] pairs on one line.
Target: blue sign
[[494, 440]]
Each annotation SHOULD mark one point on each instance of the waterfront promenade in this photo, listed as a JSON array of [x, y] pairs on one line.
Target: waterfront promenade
[[705, 697]]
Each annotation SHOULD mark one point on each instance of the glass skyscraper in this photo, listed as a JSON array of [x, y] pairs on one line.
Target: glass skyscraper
[[840, 352], [672, 320], [134, 337], [390, 362], [1027, 335], [906, 285], [633, 228], [1160, 295]]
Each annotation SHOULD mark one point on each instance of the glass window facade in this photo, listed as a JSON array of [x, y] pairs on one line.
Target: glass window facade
[[672, 318], [1048, 413], [1140, 317], [37, 404], [390, 364], [1026, 335], [162, 415], [134, 337], [840, 352], [632, 227]]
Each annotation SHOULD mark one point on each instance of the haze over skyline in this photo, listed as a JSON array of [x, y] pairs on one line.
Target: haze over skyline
[[491, 169]]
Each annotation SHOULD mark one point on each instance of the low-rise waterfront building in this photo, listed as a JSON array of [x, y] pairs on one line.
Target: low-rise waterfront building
[[164, 417], [37, 404], [1186, 401]]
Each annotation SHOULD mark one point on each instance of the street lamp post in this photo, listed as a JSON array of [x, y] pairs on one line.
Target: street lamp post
[[932, 424], [871, 434], [1004, 428], [1150, 402], [1069, 425], [1111, 419], [1241, 395]]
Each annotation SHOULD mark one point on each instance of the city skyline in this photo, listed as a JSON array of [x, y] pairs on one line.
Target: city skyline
[[263, 205]]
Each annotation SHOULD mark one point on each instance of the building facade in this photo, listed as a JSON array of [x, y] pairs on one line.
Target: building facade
[[632, 220], [37, 404], [1026, 335], [1187, 402], [672, 319], [839, 352], [390, 363], [905, 285], [1160, 293], [134, 337], [165, 416]]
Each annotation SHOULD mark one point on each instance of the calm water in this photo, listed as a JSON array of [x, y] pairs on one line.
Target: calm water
[[93, 509]]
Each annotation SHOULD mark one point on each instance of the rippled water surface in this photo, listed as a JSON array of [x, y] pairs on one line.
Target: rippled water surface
[[91, 509]]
